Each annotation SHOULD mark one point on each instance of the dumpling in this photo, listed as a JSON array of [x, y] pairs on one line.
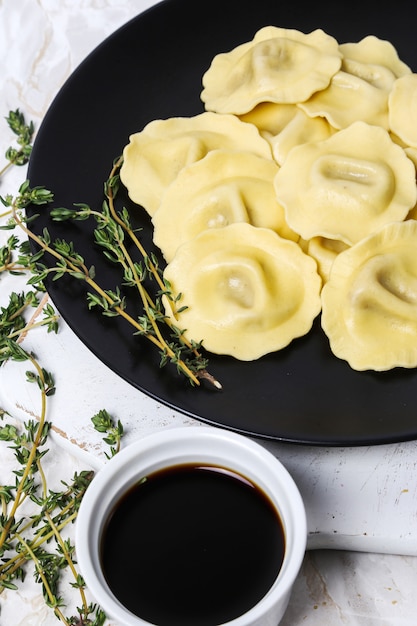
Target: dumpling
[[300, 130], [412, 154], [360, 90], [348, 99], [278, 65], [285, 126], [247, 291], [154, 156], [223, 188], [380, 58], [402, 106], [324, 251], [346, 186], [370, 301], [270, 118]]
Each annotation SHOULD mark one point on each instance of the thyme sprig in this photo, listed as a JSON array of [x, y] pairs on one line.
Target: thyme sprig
[[19, 155], [113, 229], [104, 423], [110, 234], [24, 538], [136, 273], [27, 538], [36, 537], [14, 327]]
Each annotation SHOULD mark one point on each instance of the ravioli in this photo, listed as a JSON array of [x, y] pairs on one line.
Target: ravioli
[[294, 190], [223, 188], [402, 107], [346, 186], [270, 118], [369, 304], [324, 251], [278, 65], [361, 88], [379, 58], [300, 130], [154, 156], [285, 126], [247, 291]]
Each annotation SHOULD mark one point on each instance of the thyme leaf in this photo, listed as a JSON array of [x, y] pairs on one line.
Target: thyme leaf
[[19, 155], [104, 423], [35, 538], [139, 270]]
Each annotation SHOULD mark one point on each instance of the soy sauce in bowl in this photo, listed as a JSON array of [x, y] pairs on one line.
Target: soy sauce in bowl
[[198, 526], [192, 545]]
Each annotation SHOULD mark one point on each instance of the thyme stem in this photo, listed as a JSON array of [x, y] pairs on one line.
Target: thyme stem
[[67, 557], [56, 510], [109, 190], [45, 583], [73, 267], [4, 169], [32, 454]]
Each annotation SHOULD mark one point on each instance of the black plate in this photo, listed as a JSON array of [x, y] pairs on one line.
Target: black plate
[[152, 68]]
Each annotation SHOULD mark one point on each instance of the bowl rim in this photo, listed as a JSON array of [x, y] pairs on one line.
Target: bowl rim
[[184, 444]]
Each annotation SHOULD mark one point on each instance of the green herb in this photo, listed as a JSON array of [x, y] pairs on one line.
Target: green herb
[[36, 538], [110, 234], [19, 155], [24, 538], [104, 423]]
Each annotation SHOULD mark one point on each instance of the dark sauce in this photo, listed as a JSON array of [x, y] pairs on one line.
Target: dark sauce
[[192, 546]]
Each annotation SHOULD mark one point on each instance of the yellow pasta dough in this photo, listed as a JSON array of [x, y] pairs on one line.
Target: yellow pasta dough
[[348, 99], [379, 55], [346, 186], [278, 65], [154, 156], [248, 291], [294, 193], [360, 90], [377, 58], [285, 126], [223, 188], [270, 118], [300, 130], [324, 251], [402, 106], [370, 301]]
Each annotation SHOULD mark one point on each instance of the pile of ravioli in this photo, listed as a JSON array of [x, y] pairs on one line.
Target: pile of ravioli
[[292, 195]]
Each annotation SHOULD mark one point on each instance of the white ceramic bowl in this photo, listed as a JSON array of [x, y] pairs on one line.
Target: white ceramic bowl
[[188, 445]]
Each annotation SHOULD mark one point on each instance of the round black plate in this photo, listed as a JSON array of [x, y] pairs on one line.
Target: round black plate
[[152, 68]]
